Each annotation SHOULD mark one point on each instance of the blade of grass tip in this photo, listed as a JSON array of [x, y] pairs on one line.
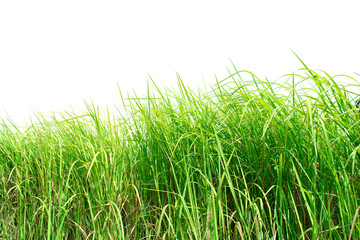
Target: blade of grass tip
[[231, 75], [238, 224], [148, 98], [182, 86], [118, 220], [91, 165], [158, 227], [236, 71], [156, 87], [122, 97], [205, 88], [293, 89], [304, 65], [269, 121]]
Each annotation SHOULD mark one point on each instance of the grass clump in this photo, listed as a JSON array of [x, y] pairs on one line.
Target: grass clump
[[249, 159]]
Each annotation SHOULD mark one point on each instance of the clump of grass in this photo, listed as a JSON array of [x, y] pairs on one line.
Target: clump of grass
[[250, 159]]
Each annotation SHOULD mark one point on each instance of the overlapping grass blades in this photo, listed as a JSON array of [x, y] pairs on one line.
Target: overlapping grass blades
[[251, 159]]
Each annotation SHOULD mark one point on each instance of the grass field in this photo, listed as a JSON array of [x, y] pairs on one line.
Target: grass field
[[247, 159]]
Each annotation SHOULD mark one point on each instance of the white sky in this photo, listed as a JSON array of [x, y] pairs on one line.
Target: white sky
[[54, 54]]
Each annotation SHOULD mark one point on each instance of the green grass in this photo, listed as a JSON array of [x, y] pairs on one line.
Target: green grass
[[248, 159]]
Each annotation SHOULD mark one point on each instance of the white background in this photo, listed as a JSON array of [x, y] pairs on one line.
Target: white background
[[55, 54]]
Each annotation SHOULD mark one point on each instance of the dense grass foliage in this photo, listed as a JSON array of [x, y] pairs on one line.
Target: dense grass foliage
[[248, 159]]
